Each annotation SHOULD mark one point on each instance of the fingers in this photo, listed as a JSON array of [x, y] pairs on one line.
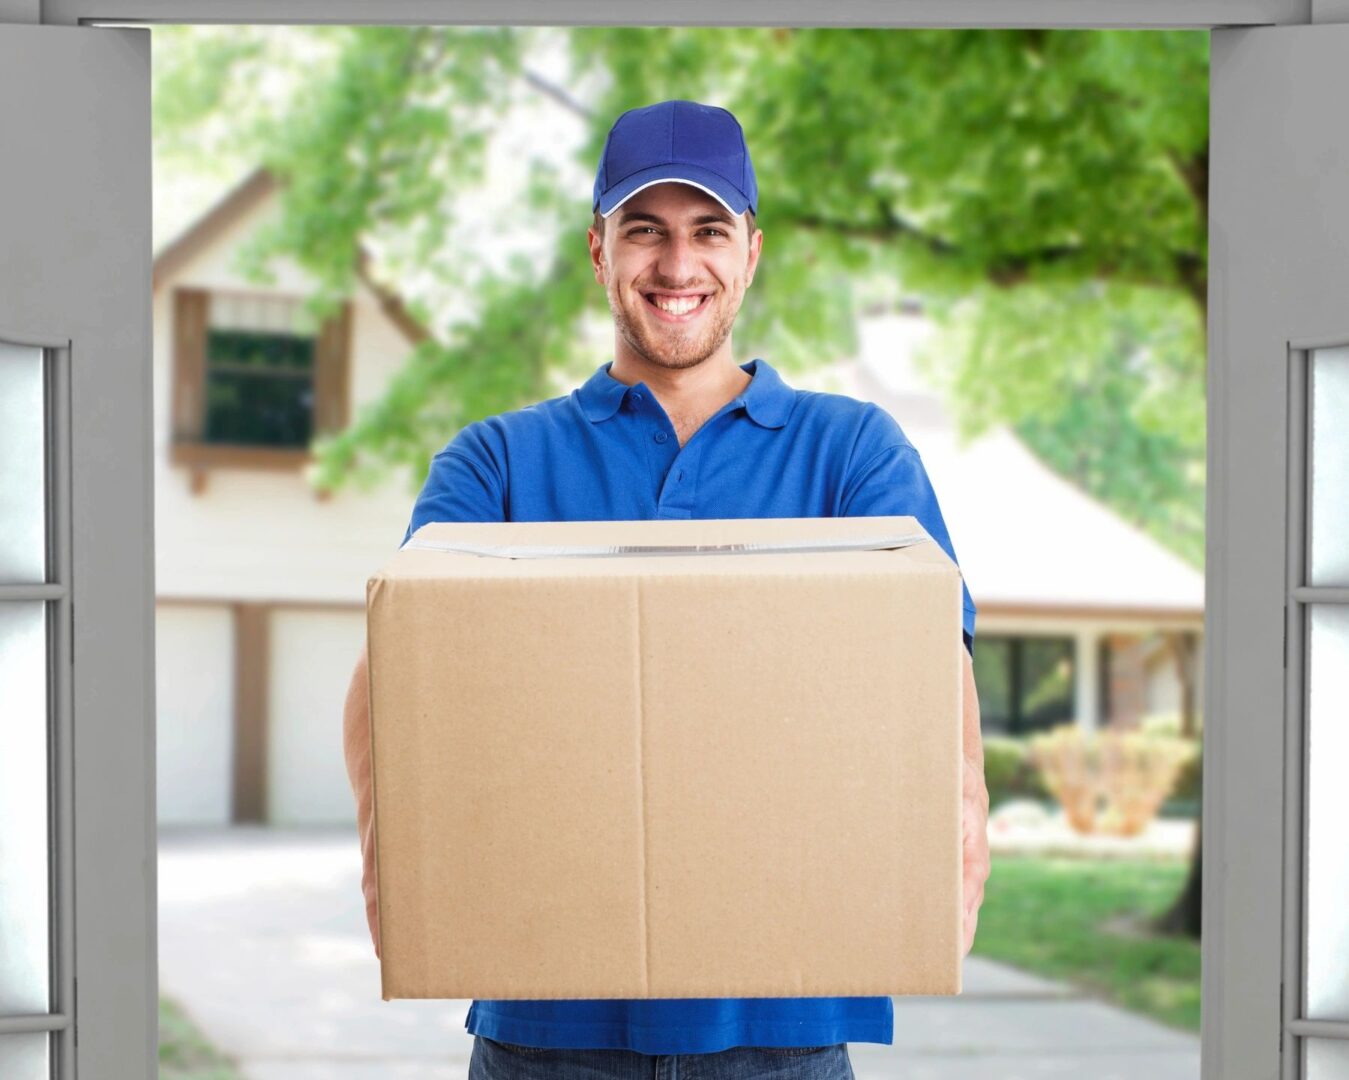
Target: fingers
[[372, 917], [976, 865], [971, 924], [973, 899]]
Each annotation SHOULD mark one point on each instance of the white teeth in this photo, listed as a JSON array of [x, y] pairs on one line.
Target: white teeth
[[677, 305]]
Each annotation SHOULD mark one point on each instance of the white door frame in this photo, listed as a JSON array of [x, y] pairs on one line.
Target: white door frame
[[1242, 1025]]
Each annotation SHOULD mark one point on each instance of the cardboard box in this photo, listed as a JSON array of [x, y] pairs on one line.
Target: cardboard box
[[629, 775]]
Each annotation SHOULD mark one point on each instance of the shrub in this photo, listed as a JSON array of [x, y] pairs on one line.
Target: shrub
[[1168, 723], [1109, 781], [1008, 771], [1190, 780], [1003, 759]]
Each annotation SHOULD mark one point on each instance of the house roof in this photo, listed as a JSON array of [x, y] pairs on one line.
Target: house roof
[[1026, 538], [256, 187], [206, 228]]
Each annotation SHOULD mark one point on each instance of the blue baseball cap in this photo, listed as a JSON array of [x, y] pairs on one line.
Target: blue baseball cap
[[682, 141]]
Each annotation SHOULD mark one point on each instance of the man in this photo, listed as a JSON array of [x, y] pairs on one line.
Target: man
[[674, 428]]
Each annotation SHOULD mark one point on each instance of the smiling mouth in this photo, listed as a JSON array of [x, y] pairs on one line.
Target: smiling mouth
[[676, 316]]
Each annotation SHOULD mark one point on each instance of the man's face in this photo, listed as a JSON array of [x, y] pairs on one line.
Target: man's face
[[674, 246]]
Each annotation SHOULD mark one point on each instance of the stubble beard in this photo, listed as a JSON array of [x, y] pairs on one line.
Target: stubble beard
[[676, 348]]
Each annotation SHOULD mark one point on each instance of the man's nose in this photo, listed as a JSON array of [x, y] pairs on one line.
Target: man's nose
[[678, 260]]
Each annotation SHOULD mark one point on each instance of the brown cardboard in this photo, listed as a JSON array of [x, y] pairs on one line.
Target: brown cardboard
[[693, 775]]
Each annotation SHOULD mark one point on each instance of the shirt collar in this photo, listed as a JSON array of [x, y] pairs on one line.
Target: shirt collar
[[767, 399]]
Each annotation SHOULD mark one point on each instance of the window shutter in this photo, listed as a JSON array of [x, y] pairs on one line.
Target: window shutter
[[190, 310], [332, 372]]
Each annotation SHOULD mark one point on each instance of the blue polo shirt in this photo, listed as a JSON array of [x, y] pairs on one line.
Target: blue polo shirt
[[608, 452]]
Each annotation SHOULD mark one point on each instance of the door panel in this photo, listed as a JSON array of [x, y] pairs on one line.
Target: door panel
[[76, 561], [1278, 281], [25, 893], [23, 531]]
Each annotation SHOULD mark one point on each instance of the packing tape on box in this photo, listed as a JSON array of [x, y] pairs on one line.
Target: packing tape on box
[[571, 551]]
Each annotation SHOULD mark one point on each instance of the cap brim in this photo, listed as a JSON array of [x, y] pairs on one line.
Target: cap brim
[[675, 173]]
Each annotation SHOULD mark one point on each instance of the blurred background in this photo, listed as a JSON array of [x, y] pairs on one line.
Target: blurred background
[[368, 237]]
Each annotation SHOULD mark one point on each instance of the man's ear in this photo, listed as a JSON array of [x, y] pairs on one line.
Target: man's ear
[[755, 246], [596, 254]]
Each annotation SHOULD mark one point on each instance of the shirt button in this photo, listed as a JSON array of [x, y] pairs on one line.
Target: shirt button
[[636, 395], [661, 436]]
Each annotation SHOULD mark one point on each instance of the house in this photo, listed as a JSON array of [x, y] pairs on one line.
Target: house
[[1081, 615], [260, 583]]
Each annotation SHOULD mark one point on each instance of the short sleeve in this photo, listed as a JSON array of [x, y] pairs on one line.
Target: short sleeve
[[894, 482], [456, 489]]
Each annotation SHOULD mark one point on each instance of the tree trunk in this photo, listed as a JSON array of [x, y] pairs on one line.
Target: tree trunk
[[1184, 646], [1184, 915]]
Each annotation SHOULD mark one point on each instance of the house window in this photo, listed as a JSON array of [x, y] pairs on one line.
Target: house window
[[1025, 683], [255, 379], [259, 387]]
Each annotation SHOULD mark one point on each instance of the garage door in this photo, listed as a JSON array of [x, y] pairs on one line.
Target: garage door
[[312, 655], [194, 714]]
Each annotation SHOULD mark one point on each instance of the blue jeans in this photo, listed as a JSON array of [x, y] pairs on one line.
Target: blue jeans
[[494, 1060]]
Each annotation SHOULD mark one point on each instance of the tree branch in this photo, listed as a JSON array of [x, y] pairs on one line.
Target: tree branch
[[556, 92], [1009, 270], [390, 302], [1193, 273], [890, 227], [1194, 172]]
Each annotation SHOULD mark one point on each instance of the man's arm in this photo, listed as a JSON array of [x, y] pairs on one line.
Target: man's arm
[[462, 485], [892, 480], [356, 748], [974, 801]]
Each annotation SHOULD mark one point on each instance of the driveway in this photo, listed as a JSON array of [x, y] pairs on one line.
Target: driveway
[[263, 941]]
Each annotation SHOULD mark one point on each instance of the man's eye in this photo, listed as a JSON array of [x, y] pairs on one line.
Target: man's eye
[[649, 228]]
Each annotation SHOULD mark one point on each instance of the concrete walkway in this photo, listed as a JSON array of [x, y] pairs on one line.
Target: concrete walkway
[[263, 940]]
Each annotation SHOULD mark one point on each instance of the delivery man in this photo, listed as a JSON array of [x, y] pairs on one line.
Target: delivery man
[[672, 427]]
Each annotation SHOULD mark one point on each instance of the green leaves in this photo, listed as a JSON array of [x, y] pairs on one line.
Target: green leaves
[[1042, 192], [1102, 380]]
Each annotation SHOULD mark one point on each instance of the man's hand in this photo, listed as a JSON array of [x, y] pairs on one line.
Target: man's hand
[[974, 808], [356, 749]]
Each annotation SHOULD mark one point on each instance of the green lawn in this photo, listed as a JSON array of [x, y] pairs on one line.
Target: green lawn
[[184, 1054], [1082, 921]]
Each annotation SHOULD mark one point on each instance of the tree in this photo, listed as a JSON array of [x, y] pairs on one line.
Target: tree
[[1043, 193]]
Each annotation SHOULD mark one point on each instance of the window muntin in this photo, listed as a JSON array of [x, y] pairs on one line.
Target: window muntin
[[1025, 683]]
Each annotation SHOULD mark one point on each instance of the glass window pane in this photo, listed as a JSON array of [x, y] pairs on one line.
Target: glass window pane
[[259, 351], [258, 411], [1328, 811], [1046, 682], [1329, 561], [25, 1056], [259, 388], [993, 680], [23, 532], [1327, 1059], [24, 934]]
